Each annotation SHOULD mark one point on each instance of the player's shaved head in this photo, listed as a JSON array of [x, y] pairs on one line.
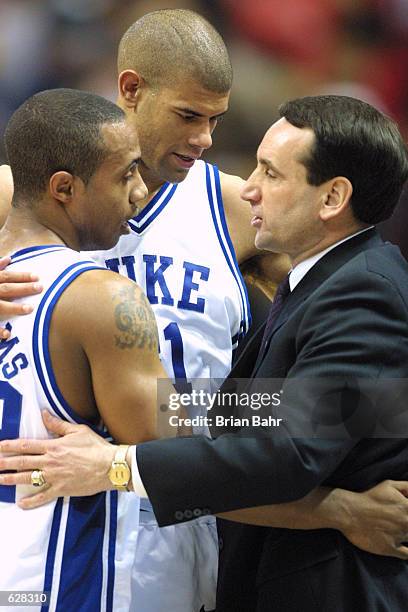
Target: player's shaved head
[[173, 44]]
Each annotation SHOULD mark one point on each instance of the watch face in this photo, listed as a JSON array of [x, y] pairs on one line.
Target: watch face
[[119, 474]]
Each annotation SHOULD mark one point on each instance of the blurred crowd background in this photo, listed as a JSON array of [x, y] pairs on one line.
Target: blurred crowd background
[[279, 49]]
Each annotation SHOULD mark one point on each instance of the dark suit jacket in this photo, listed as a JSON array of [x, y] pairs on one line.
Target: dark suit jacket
[[346, 320]]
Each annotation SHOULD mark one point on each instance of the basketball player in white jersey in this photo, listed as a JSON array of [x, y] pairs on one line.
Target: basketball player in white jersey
[[88, 350], [183, 247]]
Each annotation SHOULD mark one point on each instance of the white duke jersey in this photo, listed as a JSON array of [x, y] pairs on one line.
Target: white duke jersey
[[79, 549], [180, 252]]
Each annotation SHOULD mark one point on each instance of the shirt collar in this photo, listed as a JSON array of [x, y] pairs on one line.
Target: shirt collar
[[299, 271]]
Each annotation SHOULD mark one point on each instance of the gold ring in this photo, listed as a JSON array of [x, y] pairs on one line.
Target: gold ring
[[37, 478]]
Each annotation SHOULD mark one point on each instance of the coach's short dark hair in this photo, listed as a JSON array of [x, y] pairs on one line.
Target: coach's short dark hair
[[354, 140], [58, 129]]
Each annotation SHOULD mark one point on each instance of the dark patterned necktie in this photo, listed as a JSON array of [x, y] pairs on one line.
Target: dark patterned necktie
[[281, 294]]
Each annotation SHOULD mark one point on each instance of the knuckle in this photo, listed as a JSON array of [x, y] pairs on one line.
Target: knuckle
[[4, 288], [55, 458]]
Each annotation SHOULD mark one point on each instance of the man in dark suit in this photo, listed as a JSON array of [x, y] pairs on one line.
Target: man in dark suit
[[329, 170]]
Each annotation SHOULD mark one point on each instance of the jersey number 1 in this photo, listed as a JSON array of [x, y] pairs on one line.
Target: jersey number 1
[[172, 333]]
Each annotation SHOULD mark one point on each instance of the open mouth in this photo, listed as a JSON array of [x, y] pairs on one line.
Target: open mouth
[[184, 160]]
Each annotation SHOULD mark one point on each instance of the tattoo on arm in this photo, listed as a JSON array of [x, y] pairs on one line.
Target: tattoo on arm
[[135, 320]]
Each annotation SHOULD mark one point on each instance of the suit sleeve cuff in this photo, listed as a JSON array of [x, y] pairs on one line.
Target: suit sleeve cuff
[[138, 486]]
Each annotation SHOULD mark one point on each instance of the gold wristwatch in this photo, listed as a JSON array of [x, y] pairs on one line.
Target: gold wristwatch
[[119, 473]]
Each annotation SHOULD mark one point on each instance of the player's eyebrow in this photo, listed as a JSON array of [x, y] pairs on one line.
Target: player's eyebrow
[[189, 111], [135, 162]]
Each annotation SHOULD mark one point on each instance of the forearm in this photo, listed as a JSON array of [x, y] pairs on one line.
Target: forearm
[[322, 508]]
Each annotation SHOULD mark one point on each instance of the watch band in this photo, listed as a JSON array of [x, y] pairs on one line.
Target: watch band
[[119, 464], [120, 455]]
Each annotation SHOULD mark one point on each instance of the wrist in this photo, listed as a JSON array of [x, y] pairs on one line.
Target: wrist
[[342, 509]]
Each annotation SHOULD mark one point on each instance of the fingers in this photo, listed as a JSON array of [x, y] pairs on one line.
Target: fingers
[[4, 333], [402, 552], [47, 493], [4, 262], [20, 463], [400, 485], [11, 309], [58, 426], [24, 447], [16, 478], [11, 276], [14, 285], [16, 289], [38, 499]]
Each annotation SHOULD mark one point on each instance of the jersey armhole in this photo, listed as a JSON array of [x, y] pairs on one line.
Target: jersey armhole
[[40, 345], [213, 184]]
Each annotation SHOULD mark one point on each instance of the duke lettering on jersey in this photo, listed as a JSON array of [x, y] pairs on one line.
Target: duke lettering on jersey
[[180, 252], [155, 280]]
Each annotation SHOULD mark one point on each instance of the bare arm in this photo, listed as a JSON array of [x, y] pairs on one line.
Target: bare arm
[[375, 520], [104, 325]]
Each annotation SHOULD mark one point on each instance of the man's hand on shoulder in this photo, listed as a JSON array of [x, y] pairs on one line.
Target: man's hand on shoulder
[[14, 285]]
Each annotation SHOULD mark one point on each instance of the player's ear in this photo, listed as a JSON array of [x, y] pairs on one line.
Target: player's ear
[[130, 84], [61, 186]]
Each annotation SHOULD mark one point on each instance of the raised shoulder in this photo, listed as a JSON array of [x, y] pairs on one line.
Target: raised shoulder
[[6, 192]]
